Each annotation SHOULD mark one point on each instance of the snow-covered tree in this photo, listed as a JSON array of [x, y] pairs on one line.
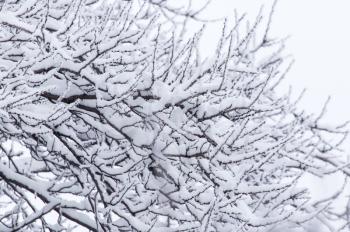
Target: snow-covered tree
[[110, 120]]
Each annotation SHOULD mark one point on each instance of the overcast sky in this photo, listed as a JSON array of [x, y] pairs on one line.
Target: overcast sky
[[320, 44]]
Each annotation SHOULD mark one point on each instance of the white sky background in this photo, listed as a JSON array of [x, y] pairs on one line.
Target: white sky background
[[320, 45], [319, 42]]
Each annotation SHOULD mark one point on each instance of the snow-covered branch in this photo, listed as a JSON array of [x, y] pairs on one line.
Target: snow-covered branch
[[123, 127]]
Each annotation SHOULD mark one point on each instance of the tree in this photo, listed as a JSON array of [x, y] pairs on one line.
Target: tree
[[124, 127]]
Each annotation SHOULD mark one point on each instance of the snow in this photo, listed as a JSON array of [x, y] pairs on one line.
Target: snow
[[128, 130], [9, 18]]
